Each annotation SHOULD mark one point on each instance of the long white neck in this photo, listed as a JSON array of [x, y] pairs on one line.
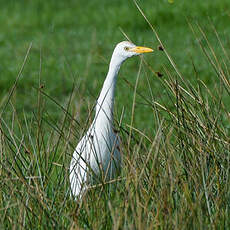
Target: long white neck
[[105, 102]]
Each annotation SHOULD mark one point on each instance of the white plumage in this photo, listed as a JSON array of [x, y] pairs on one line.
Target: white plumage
[[97, 156]]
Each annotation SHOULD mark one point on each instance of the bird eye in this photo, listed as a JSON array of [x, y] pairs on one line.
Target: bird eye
[[126, 48]]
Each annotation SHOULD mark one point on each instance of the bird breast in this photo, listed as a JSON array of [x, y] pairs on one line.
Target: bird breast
[[104, 155]]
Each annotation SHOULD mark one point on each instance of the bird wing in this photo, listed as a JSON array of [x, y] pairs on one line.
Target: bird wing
[[78, 166]]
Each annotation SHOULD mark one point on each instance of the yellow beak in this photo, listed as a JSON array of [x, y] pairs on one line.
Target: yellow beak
[[141, 49]]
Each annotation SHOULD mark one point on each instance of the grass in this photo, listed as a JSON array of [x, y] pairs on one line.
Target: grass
[[174, 129]]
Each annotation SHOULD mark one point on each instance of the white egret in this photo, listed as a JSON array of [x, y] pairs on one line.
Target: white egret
[[97, 156]]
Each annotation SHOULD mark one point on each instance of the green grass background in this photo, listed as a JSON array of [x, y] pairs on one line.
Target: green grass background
[[75, 40], [72, 42]]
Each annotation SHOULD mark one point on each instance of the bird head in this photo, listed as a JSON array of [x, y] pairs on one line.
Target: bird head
[[127, 49]]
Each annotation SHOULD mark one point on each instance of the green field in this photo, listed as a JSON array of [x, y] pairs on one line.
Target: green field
[[54, 56]]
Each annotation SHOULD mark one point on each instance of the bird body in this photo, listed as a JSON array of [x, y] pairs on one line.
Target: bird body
[[97, 156]]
